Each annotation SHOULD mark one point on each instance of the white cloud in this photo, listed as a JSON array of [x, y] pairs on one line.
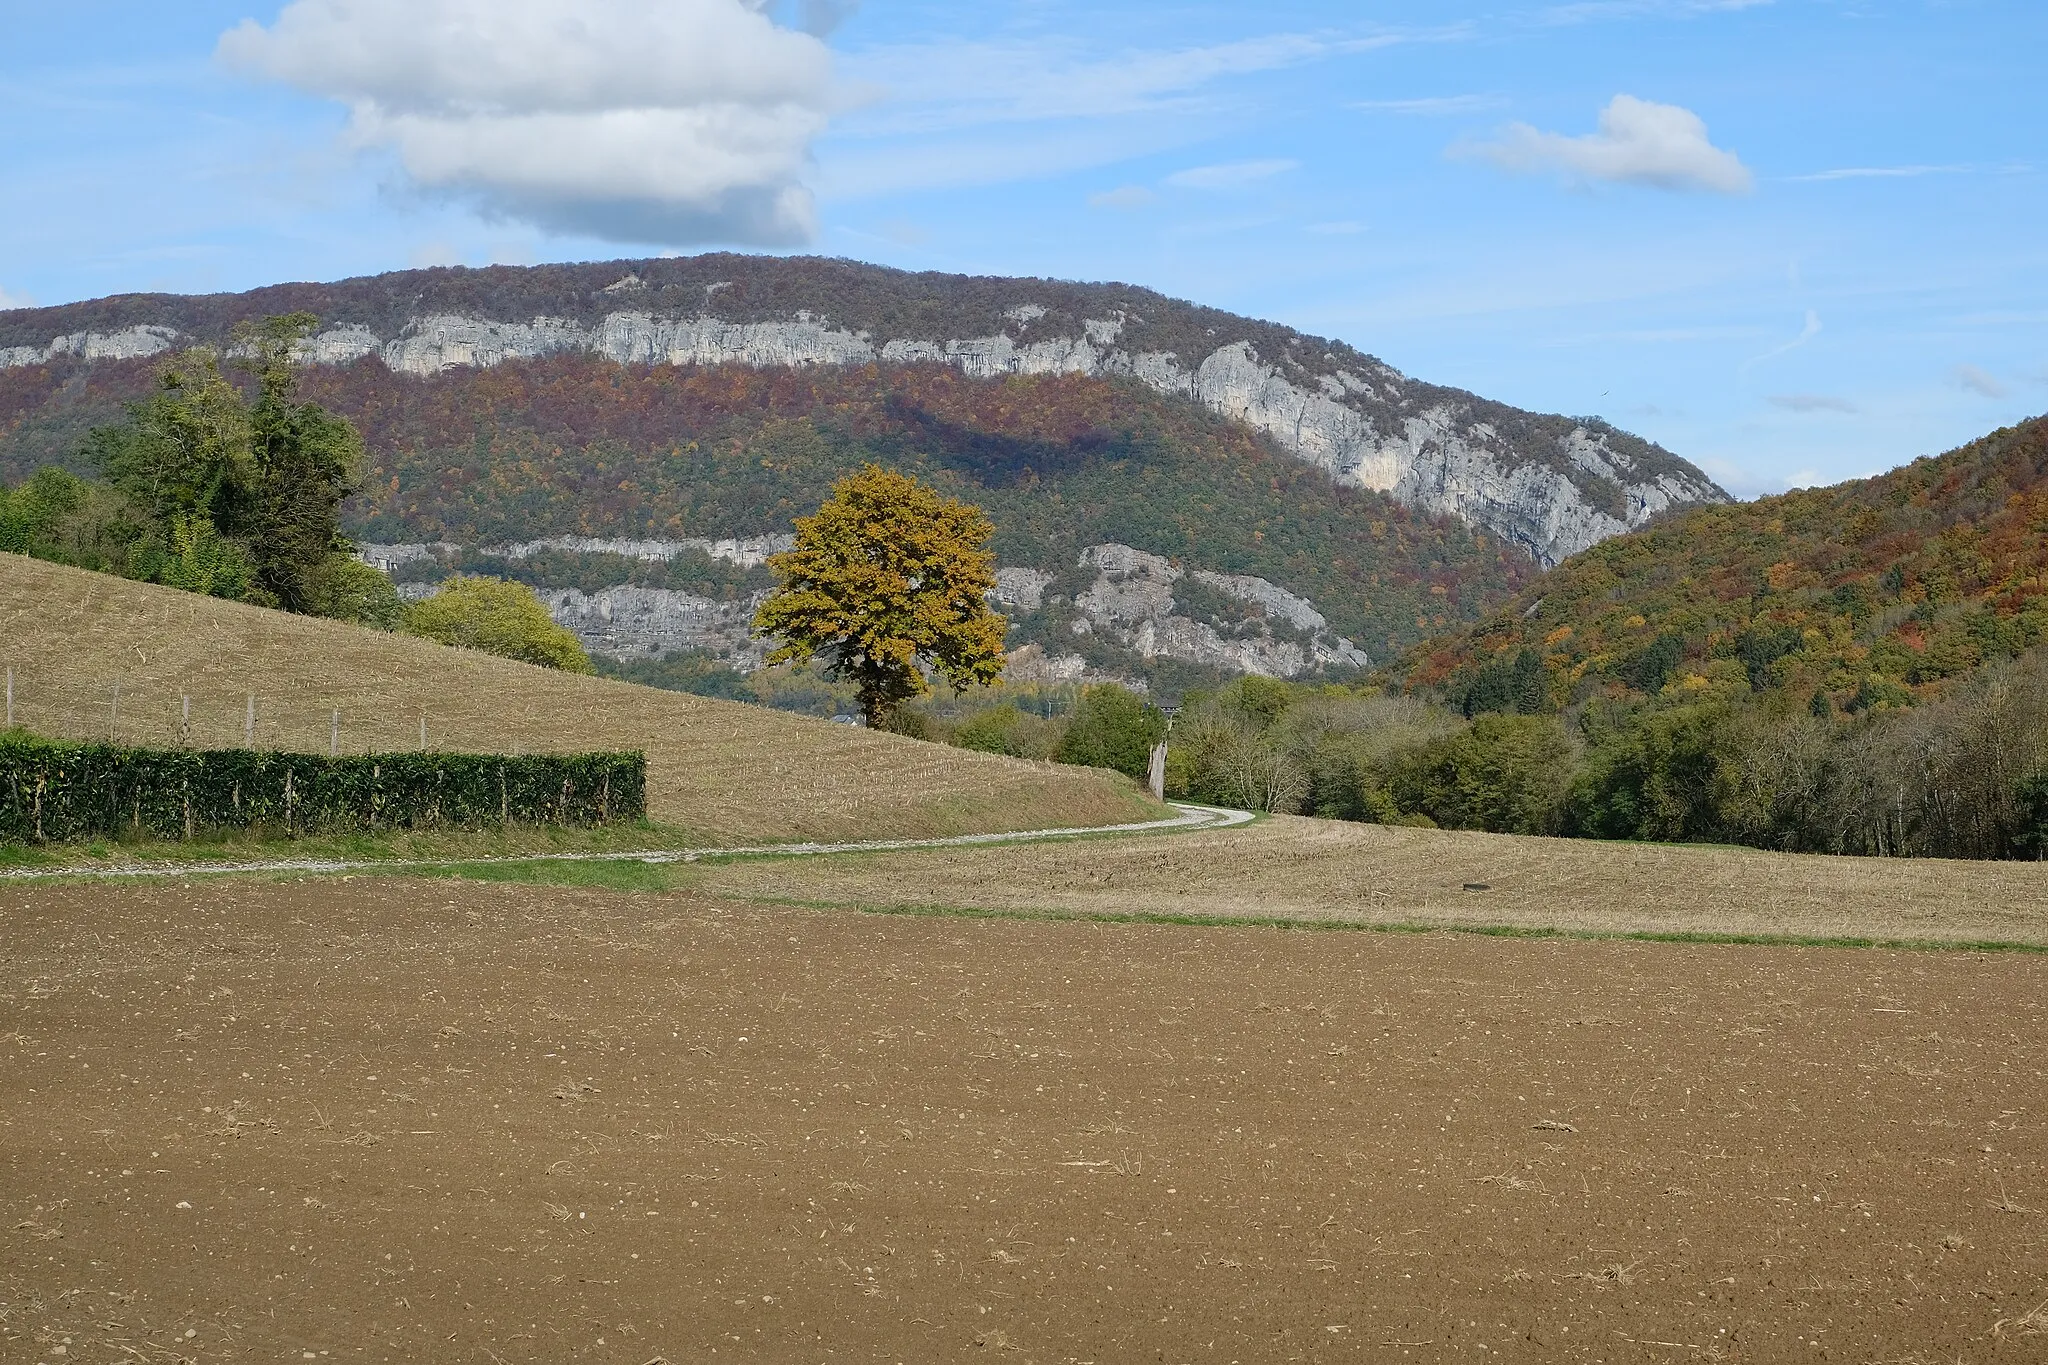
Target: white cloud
[[1980, 382], [1349, 227], [670, 121], [1233, 175], [1124, 197], [1811, 402], [8, 301], [1638, 143]]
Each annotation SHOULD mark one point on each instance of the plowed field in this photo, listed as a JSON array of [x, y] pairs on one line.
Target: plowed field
[[437, 1121]]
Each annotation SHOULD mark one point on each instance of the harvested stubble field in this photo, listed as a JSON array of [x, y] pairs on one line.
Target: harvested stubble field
[[1325, 872], [722, 771], [439, 1121]]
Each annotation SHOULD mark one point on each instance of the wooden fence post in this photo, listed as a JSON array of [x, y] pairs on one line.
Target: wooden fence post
[[249, 724], [184, 722], [423, 734], [1156, 774], [114, 723], [10, 699], [334, 734]]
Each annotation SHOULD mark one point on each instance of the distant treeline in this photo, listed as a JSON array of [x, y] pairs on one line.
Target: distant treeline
[[1962, 776]]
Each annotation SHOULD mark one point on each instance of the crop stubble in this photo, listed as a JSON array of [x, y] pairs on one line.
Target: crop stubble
[[727, 771], [449, 1121], [1324, 871]]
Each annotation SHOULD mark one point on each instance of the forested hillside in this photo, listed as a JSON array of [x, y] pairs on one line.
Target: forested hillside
[[579, 445], [1871, 594], [1856, 669]]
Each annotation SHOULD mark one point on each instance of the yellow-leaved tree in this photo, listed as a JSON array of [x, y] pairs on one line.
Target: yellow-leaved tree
[[886, 577]]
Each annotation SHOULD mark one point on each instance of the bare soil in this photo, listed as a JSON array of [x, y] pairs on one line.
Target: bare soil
[[442, 1121], [727, 772]]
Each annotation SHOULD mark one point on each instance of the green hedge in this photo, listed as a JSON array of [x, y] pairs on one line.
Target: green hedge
[[52, 790]]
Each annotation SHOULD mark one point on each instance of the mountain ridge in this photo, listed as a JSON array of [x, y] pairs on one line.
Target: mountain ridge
[[1551, 485]]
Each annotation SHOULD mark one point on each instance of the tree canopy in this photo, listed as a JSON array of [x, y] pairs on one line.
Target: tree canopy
[[206, 490], [886, 578]]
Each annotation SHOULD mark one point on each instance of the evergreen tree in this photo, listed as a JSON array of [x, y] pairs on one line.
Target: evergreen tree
[[304, 460]]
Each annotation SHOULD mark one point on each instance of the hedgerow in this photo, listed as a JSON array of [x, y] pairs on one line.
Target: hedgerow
[[56, 790]]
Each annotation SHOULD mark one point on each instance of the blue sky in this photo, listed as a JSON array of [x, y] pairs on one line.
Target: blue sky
[[1792, 240]]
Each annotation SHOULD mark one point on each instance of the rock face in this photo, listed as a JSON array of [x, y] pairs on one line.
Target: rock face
[[1143, 604], [632, 622], [129, 343], [1242, 625], [1552, 485]]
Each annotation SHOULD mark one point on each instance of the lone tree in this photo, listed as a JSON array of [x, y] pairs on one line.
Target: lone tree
[[887, 576]]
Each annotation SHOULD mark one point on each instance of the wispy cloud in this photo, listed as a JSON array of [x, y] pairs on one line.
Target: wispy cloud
[[1434, 105], [1348, 228], [9, 300], [1808, 332], [1638, 142], [1980, 382], [1232, 175], [957, 113], [1124, 198], [925, 87], [1881, 173], [1811, 402]]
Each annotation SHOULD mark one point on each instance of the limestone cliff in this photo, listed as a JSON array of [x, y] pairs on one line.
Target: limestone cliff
[[1552, 485]]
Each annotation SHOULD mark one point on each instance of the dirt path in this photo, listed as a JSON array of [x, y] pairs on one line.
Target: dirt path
[[412, 1121], [1190, 818]]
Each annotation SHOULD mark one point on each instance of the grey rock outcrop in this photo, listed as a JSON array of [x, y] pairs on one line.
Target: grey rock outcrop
[[130, 343], [748, 552], [632, 622], [1021, 590], [1133, 602]]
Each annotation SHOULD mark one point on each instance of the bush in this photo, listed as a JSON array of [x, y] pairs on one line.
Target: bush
[[56, 790], [993, 731], [499, 618], [347, 589], [1112, 728]]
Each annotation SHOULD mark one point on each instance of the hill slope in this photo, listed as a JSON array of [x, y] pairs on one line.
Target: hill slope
[[1551, 485], [732, 772], [1873, 593]]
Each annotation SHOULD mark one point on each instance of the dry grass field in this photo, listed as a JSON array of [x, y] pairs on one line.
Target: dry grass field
[[390, 1120], [726, 771], [1327, 872]]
